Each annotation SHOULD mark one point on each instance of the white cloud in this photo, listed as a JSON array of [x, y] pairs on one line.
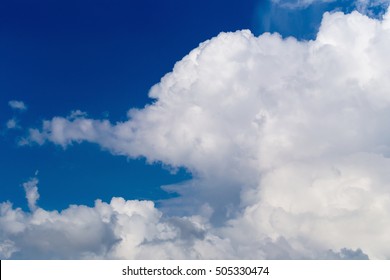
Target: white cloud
[[127, 230], [32, 195], [77, 114], [119, 229], [288, 143], [12, 124], [17, 105]]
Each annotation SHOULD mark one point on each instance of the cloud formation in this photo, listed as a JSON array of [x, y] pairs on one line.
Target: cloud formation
[[126, 230], [17, 105], [288, 143], [298, 4], [372, 8], [116, 230], [32, 195], [12, 124]]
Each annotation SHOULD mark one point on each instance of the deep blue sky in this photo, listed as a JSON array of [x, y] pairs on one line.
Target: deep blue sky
[[102, 56]]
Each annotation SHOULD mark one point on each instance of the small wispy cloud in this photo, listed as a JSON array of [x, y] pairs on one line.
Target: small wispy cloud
[[12, 124], [32, 195], [17, 105], [373, 8], [298, 4], [77, 114]]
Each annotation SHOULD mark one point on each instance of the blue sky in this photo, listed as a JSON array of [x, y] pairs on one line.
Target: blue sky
[[102, 57]]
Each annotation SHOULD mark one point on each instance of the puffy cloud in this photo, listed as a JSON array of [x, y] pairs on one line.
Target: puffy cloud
[[116, 230], [129, 230], [12, 124], [288, 143], [334, 203], [32, 195], [7, 248], [17, 105]]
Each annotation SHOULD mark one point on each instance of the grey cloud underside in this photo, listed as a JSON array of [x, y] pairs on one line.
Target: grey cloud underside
[[287, 141]]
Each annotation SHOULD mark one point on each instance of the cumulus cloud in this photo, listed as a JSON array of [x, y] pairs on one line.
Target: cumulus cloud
[[116, 230], [288, 143], [128, 230], [32, 195], [12, 124], [17, 105]]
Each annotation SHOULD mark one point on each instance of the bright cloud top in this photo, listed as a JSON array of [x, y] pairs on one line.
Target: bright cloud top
[[287, 141]]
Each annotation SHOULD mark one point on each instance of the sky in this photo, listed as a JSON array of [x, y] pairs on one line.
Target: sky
[[194, 129]]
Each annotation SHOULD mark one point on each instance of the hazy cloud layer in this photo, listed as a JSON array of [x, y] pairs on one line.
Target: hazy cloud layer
[[373, 8], [297, 4], [287, 141]]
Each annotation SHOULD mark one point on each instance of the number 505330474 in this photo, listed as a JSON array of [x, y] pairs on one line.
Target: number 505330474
[[242, 270]]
